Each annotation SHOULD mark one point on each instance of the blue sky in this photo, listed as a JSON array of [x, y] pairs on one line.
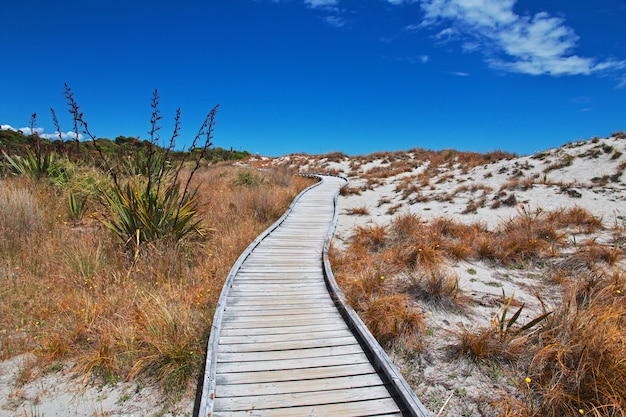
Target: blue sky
[[317, 76]]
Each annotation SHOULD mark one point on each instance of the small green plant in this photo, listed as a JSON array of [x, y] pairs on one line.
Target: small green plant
[[247, 177], [76, 204], [504, 328], [123, 398], [31, 165], [35, 163]]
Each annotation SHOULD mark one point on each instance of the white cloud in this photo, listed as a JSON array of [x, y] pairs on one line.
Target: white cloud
[[622, 83], [27, 131], [460, 74], [539, 44], [64, 135], [320, 3], [39, 130]]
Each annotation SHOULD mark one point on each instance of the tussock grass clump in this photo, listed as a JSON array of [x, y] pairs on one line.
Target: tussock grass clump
[[437, 287], [358, 211], [390, 317], [373, 239]]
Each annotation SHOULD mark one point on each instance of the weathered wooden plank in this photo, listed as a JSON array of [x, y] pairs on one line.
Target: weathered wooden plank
[[281, 330], [268, 301], [278, 268], [258, 291], [295, 344], [291, 354], [279, 278], [289, 276], [301, 399], [261, 305], [231, 340], [358, 409], [279, 263], [296, 365], [286, 285], [290, 375], [281, 297], [272, 388], [282, 323], [273, 319], [277, 311]]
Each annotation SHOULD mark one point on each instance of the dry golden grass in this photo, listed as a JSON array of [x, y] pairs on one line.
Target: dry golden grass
[[390, 317], [437, 287], [72, 293], [358, 211]]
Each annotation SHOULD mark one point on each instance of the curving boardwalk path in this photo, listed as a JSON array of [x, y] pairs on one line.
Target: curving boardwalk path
[[283, 343]]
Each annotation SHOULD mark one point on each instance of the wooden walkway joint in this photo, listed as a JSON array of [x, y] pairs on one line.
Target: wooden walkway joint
[[283, 340]]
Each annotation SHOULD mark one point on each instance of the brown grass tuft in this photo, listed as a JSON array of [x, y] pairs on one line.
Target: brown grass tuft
[[390, 317]]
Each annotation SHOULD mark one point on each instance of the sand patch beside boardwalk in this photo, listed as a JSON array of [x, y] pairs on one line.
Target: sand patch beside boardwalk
[[57, 392]]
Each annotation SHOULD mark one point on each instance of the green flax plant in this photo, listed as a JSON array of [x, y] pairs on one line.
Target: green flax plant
[[35, 163], [148, 199]]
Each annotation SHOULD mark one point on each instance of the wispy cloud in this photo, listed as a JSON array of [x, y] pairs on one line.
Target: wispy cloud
[[320, 3], [336, 21], [64, 136], [460, 74], [397, 2], [27, 131], [538, 44], [333, 14]]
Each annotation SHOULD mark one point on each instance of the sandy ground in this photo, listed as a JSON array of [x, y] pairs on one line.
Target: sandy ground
[[58, 392], [573, 178]]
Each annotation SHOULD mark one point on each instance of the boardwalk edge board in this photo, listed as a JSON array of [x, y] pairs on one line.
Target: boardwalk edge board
[[396, 385]]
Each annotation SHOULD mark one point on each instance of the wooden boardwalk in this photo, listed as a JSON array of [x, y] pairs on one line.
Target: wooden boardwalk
[[283, 343]]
